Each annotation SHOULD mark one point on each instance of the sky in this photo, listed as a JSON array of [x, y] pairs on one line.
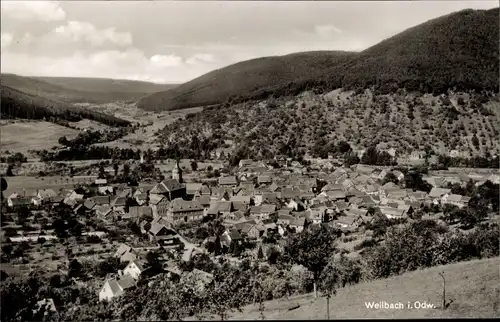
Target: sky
[[176, 41]]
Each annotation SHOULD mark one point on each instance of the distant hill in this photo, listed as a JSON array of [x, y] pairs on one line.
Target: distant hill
[[459, 50], [243, 79], [82, 90], [17, 104]]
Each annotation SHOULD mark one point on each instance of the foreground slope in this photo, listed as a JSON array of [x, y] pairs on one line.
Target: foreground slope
[[243, 79], [17, 104], [457, 50], [473, 286], [82, 90]]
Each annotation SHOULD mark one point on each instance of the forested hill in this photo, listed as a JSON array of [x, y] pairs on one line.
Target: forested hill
[[82, 90], [459, 50], [244, 79], [17, 104]]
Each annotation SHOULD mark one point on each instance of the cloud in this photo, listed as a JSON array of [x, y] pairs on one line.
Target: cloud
[[131, 63], [203, 58], [6, 39], [77, 31], [33, 10], [326, 30], [166, 60]]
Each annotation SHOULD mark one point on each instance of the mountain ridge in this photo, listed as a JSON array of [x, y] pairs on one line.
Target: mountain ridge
[[82, 90], [458, 50]]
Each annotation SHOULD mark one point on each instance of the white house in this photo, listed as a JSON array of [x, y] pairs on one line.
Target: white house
[[113, 288], [134, 269]]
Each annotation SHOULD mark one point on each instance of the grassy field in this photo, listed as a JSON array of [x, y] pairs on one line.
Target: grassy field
[[473, 286], [24, 136], [144, 137]]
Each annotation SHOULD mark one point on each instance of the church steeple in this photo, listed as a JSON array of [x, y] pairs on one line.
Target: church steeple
[[177, 172]]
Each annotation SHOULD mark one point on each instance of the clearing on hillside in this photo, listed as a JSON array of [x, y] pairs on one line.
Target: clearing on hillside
[[24, 136], [473, 286]]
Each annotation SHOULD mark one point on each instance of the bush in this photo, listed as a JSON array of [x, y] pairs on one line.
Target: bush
[[369, 242]]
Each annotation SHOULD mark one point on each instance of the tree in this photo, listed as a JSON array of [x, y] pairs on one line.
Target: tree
[[115, 168], [18, 297], [312, 250], [475, 141], [351, 159], [102, 172], [343, 147], [75, 269], [390, 177], [194, 165]]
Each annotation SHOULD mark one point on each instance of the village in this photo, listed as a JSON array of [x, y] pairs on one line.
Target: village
[[242, 213]]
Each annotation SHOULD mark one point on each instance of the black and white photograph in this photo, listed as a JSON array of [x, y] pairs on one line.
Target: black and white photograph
[[249, 160]]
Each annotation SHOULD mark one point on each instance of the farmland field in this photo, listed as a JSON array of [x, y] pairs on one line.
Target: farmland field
[[24, 136]]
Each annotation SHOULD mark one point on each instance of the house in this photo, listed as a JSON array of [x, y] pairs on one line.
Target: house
[[268, 197], [332, 187], [204, 202], [296, 205], [298, 224], [220, 208], [379, 174], [229, 181], [245, 163], [317, 213], [46, 306], [285, 220], [125, 253], [100, 182], [205, 190], [141, 198], [19, 202], [193, 189], [264, 179], [170, 189], [119, 203], [263, 211], [289, 193], [45, 194], [334, 194], [163, 234], [159, 205], [184, 210], [138, 212], [437, 195], [363, 169], [89, 204], [399, 175], [346, 223], [456, 200], [134, 269], [253, 231], [113, 288], [105, 190], [392, 213], [417, 155], [102, 200], [240, 202], [342, 205], [102, 211]]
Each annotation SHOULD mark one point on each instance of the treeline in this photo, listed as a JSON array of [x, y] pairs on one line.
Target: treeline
[[90, 137], [82, 152], [445, 162], [16, 104]]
